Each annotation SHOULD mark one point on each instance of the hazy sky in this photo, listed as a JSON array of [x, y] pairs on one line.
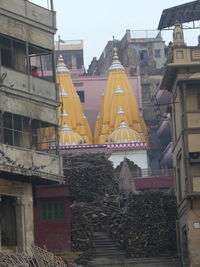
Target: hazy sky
[[96, 21]]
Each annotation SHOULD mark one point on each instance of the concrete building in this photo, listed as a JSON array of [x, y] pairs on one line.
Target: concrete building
[[72, 53], [182, 79], [28, 104]]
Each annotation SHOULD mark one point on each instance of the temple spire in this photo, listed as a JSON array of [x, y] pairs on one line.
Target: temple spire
[[120, 119], [71, 111], [178, 36]]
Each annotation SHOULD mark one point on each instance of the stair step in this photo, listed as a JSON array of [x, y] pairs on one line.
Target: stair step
[[126, 262], [106, 253]]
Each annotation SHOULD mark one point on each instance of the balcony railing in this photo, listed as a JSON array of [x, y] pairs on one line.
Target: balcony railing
[[29, 162], [148, 173], [46, 4]]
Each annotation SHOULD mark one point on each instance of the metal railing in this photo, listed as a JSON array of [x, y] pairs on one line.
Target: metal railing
[[148, 173], [44, 3]]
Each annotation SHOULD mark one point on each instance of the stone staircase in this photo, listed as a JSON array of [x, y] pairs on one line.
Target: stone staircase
[[107, 254]]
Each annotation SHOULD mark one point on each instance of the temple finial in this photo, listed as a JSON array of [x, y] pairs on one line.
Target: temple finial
[[60, 59], [115, 53], [61, 67]]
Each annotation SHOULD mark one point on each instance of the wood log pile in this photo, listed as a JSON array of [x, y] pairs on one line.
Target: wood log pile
[[143, 224], [89, 176]]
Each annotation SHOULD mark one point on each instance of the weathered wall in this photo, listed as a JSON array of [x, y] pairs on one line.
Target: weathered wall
[[24, 210], [58, 240], [28, 107], [29, 84], [31, 158], [26, 21]]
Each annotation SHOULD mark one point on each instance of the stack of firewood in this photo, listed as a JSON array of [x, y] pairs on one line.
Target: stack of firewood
[[81, 229], [89, 176], [145, 226], [91, 217]]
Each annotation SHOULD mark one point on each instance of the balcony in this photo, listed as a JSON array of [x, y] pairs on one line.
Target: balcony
[[164, 128], [30, 11], [21, 83], [163, 97], [154, 180], [166, 159], [30, 163], [29, 22]]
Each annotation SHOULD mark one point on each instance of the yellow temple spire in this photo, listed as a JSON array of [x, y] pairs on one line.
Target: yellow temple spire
[[72, 121], [119, 117]]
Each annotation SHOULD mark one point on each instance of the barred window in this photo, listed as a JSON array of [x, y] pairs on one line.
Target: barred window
[[52, 210]]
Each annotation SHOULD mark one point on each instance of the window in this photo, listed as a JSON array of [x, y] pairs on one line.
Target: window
[[81, 95], [157, 53], [42, 60], [78, 84], [68, 61], [6, 58], [53, 210], [133, 71], [17, 130], [79, 61], [143, 55], [13, 54]]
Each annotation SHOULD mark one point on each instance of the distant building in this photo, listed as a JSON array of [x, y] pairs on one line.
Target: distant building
[[72, 53]]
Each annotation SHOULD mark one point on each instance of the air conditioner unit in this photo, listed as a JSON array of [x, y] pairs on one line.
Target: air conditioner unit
[[194, 157]]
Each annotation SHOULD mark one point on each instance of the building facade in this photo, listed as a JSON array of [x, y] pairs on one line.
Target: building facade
[[182, 79], [28, 104], [72, 53]]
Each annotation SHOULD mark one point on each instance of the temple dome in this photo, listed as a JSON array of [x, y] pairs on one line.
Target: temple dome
[[69, 137], [124, 134], [61, 67], [116, 64]]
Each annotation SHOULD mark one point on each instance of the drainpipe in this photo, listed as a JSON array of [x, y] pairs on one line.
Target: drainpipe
[[51, 5]]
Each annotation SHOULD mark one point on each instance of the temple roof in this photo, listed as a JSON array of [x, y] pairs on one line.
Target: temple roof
[[71, 112], [124, 134], [69, 137], [119, 104]]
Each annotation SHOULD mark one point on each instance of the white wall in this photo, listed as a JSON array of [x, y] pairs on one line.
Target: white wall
[[139, 157]]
